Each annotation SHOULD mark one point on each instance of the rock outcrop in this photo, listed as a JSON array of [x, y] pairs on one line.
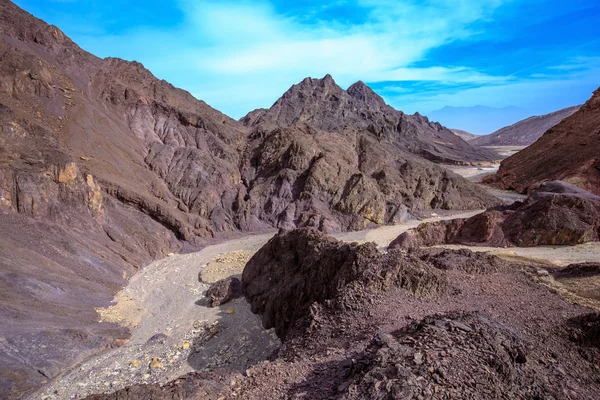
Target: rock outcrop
[[322, 104], [302, 176], [296, 269], [224, 291], [569, 151], [556, 214], [525, 132]]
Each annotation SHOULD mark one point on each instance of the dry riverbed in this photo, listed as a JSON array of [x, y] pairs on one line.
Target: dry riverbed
[[174, 332]]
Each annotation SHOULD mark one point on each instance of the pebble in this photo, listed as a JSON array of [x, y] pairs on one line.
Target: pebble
[[155, 363]]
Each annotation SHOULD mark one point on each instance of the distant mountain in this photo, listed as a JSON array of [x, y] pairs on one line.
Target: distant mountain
[[464, 135], [525, 132], [322, 104], [569, 151], [480, 120]]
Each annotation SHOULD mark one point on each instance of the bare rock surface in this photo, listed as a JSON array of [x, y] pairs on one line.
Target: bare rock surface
[[322, 104], [223, 291], [568, 151], [105, 168], [302, 176], [556, 214], [298, 268]]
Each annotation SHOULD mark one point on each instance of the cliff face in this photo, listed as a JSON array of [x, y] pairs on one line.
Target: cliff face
[[322, 104], [104, 167], [570, 151], [525, 132]]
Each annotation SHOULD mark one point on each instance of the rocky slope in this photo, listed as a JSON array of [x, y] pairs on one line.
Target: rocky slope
[[322, 104], [302, 176], [380, 326], [104, 167], [569, 151], [556, 214], [523, 133], [464, 135]]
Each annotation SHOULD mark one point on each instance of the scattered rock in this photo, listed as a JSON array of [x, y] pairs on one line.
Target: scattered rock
[[157, 338], [155, 363], [465, 260], [310, 267], [489, 360], [224, 291]]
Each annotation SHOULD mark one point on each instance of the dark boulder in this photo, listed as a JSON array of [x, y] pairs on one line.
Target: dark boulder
[[224, 291], [297, 268]]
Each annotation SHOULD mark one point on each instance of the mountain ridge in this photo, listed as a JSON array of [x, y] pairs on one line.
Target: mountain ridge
[[524, 132], [324, 105], [568, 151]]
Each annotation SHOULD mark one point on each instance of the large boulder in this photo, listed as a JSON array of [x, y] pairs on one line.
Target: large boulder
[[556, 214], [298, 268]]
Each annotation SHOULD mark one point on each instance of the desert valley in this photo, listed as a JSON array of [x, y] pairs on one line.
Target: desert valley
[[328, 247]]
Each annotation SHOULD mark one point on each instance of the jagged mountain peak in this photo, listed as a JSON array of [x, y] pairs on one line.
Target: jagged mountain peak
[[360, 91], [324, 105]]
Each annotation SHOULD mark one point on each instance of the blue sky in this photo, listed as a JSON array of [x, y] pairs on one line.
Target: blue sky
[[538, 55]]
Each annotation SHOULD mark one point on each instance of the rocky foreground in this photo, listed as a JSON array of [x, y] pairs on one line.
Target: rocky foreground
[[358, 323]]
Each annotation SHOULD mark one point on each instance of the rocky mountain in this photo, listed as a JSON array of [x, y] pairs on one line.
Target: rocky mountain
[[104, 167], [322, 104], [525, 132], [569, 151], [464, 135]]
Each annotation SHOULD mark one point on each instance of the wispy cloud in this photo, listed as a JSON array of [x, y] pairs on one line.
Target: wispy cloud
[[240, 55]]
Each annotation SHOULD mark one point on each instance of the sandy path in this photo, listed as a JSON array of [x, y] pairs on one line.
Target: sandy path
[[165, 299]]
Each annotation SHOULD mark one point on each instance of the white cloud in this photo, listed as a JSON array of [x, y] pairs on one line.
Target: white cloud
[[239, 56]]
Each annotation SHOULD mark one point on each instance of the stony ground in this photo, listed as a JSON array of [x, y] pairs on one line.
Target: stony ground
[[174, 332], [165, 301]]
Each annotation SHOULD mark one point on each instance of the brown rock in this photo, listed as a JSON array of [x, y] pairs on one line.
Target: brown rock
[[323, 105], [556, 214], [295, 269], [568, 151], [223, 291]]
